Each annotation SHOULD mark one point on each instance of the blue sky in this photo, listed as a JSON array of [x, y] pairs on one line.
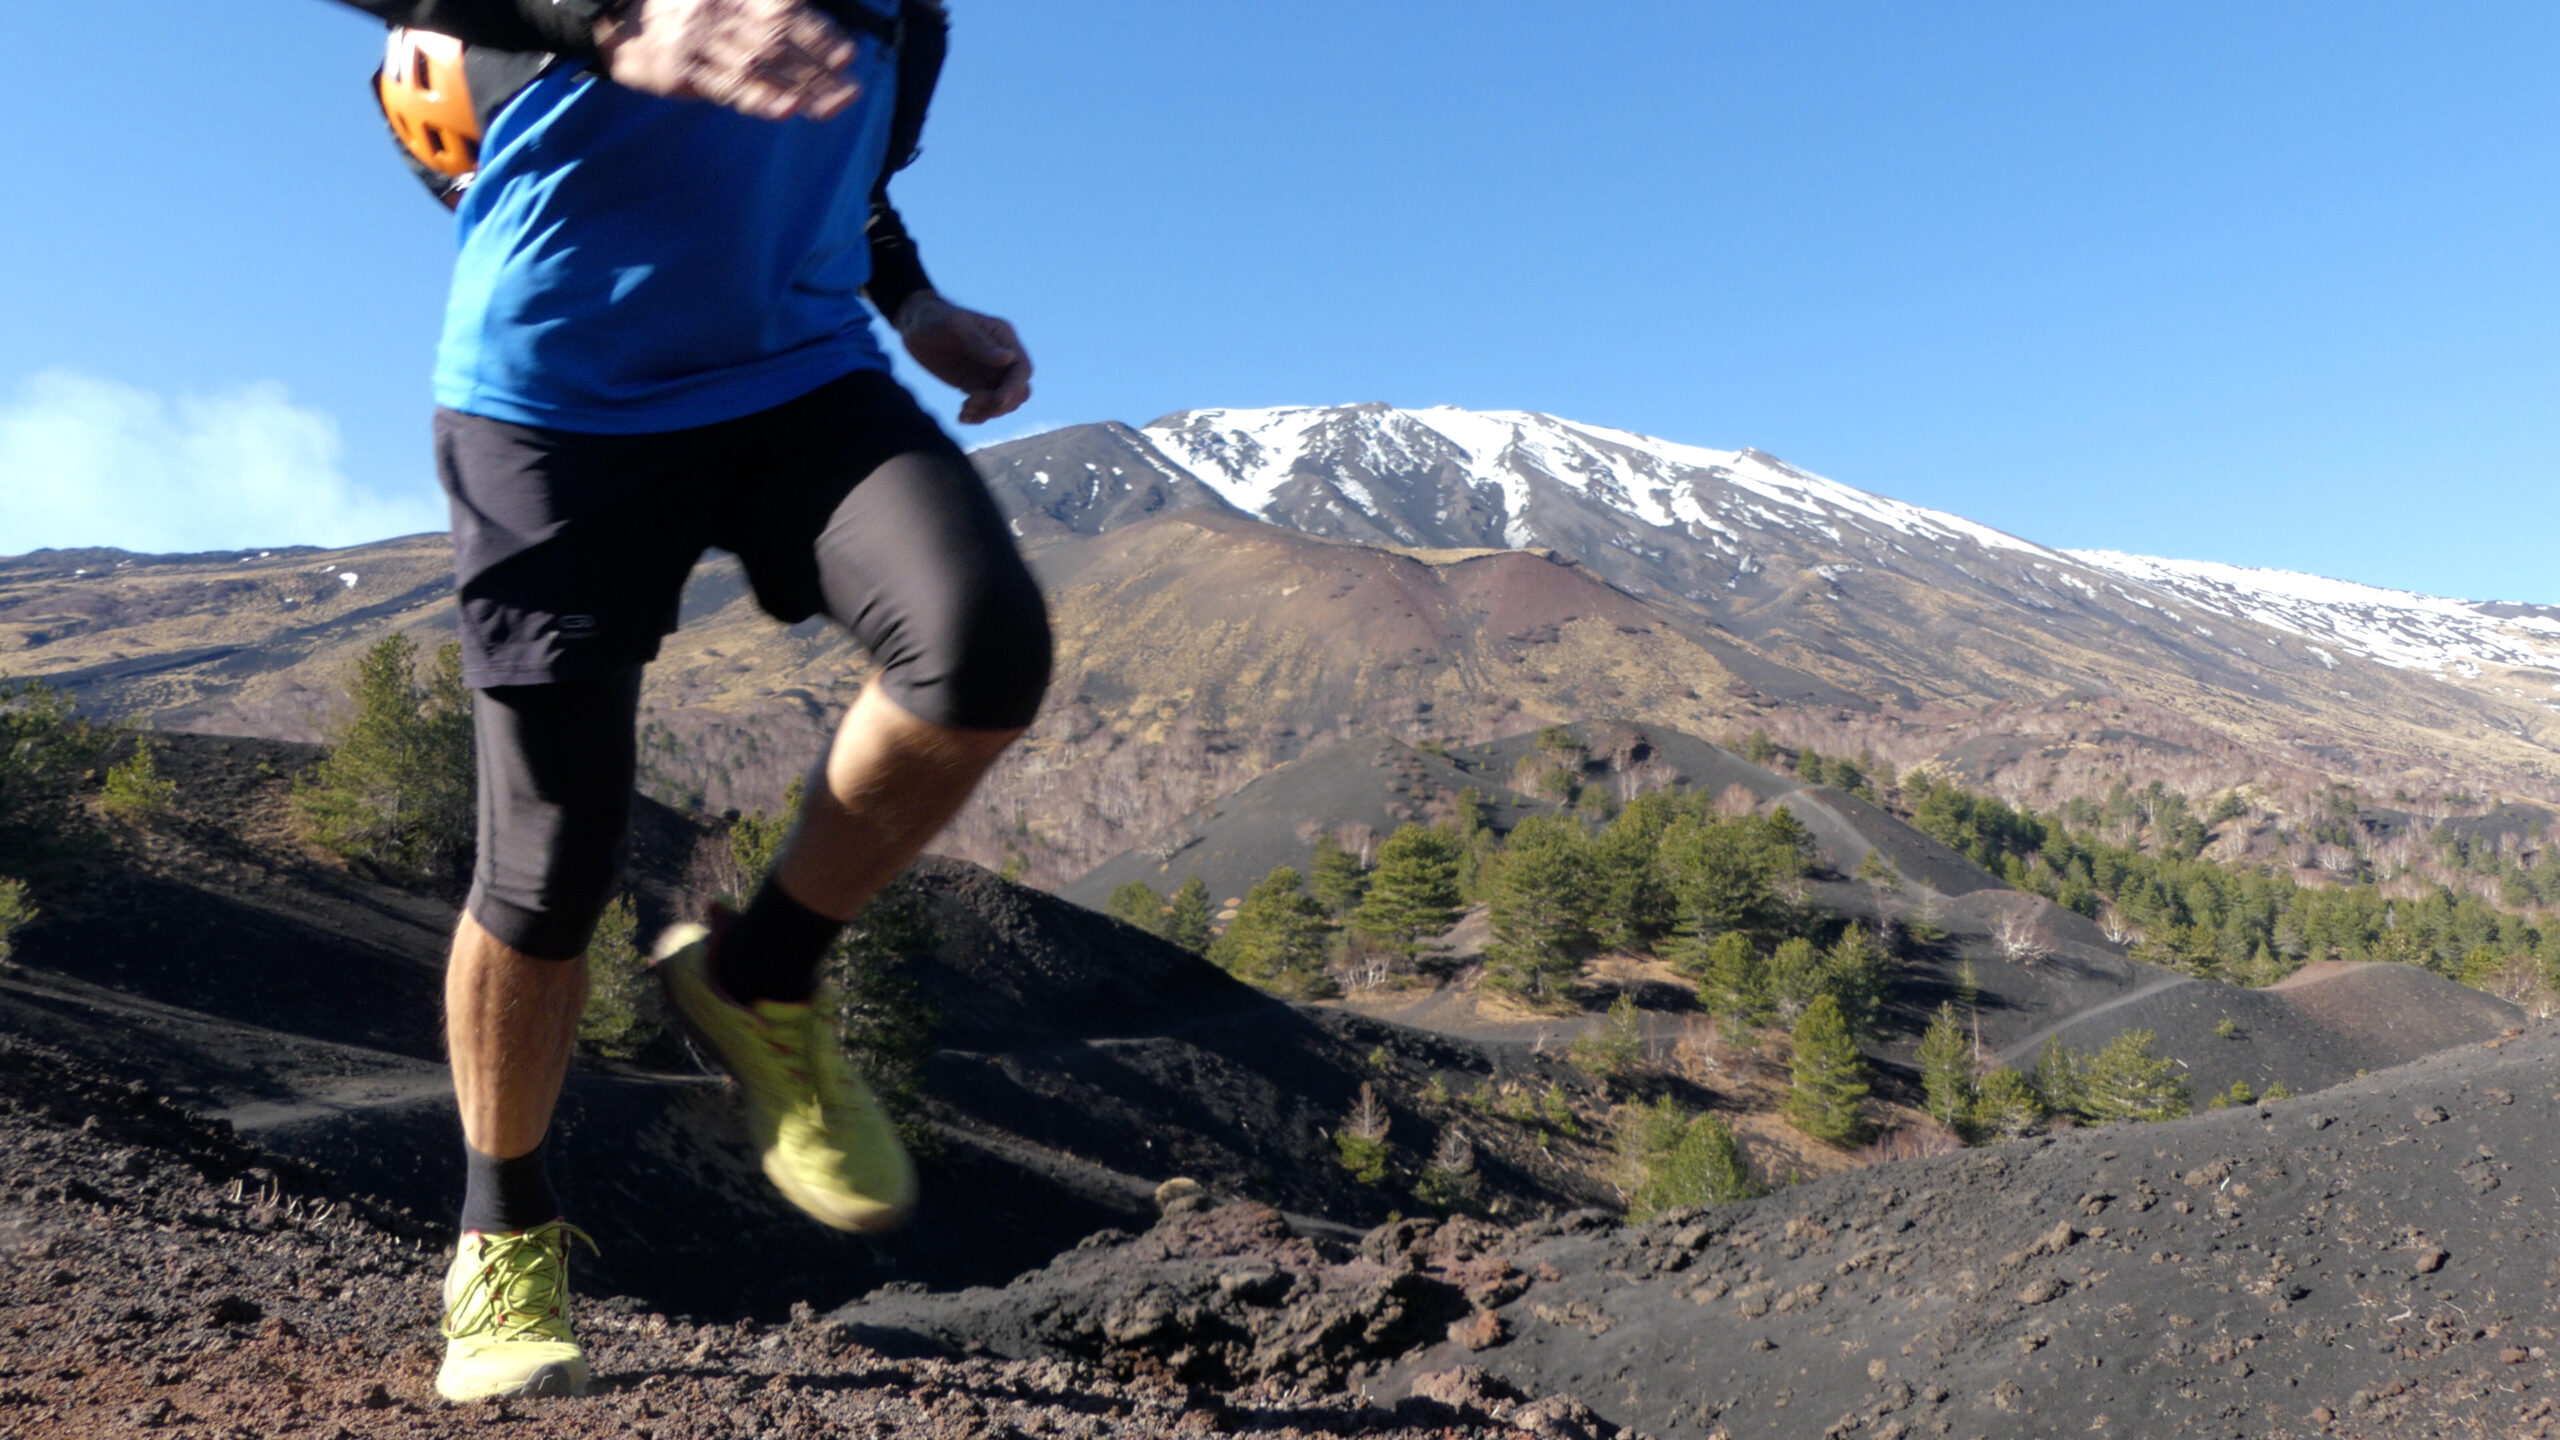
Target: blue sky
[[2271, 284]]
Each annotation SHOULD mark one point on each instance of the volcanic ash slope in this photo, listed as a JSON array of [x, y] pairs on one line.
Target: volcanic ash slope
[[2374, 1260]]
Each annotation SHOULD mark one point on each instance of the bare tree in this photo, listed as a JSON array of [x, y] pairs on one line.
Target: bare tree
[[2113, 924], [2020, 934], [1368, 1117]]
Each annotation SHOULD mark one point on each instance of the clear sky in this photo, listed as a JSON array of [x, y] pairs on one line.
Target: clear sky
[[2269, 283]]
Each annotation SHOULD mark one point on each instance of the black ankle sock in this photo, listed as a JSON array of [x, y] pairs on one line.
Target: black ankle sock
[[772, 951], [500, 1195]]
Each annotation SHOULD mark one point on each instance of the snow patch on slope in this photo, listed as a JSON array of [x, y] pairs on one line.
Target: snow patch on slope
[[2400, 628]]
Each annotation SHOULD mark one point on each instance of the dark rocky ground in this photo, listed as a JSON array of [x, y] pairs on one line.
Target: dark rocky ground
[[2376, 1260], [230, 1161], [160, 1277]]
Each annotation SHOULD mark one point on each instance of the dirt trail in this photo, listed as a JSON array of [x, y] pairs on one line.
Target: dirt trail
[[2022, 1052]]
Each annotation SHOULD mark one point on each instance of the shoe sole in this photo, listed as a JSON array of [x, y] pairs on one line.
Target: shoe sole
[[558, 1380], [553, 1382]]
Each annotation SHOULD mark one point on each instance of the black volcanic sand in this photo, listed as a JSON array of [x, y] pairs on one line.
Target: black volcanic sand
[[1082, 1062], [159, 1277], [2378, 1260]]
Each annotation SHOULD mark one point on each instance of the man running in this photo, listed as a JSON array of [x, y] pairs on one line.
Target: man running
[[655, 344]]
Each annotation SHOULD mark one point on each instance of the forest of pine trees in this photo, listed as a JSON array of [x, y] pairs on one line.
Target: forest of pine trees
[[1722, 897]]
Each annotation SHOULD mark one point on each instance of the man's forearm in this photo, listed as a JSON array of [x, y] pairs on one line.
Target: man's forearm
[[564, 27]]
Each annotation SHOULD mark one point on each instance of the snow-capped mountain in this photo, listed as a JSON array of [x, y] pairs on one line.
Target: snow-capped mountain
[[2396, 627], [1881, 598], [1496, 470]]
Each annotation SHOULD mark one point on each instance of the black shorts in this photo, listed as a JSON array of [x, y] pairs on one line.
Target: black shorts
[[571, 553], [570, 550]]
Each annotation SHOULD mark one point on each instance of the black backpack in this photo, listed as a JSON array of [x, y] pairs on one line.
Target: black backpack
[[919, 35]]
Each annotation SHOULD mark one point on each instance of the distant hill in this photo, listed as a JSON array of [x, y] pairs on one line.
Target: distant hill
[[1235, 589], [2324, 1026]]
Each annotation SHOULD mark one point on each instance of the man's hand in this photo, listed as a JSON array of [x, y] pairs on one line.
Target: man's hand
[[976, 354], [768, 58]]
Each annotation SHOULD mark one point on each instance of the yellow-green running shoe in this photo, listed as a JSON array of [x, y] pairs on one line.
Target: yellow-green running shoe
[[828, 1146], [506, 1316]]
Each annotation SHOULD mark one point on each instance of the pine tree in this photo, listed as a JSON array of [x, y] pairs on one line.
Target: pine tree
[[135, 790], [622, 1014], [1828, 1078], [2125, 1081], [1719, 874], [1733, 981], [2060, 1082], [1541, 909], [1669, 1158], [1853, 972], [1448, 1182], [1362, 1139], [15, 911], [1636, 906], [1337, 878], [1796, 976], [1186, 917], [1616, 1049], [45, 750], [1946, 1071], [2005, 1106], [1137, 903], [1413, 893], [1277, 940], [884, 1021], [397, 788]]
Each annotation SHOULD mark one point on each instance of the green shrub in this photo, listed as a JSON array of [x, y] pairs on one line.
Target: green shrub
[[1541, 890], [2005, 1106], [45, 750], [1555, 1109], [2125, 1081], [135, 791], [2238, 1095], [1449, 1181], [2061, 1081], [1669, 1157], [1616, 1049], [1733, 981], [1413, 894], [622, 1014], [396, 790], [1361, 1142], [1137, 903], [15, 912], [1186, 917], [1277, 940], [885, 1022]]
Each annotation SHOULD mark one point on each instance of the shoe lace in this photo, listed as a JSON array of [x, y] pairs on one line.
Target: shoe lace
[[520, 1287]]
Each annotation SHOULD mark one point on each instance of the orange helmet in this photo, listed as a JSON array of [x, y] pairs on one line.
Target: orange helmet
[[428, 102]]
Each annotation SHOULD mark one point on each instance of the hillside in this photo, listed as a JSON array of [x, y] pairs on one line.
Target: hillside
[[2371, 1262], [2327, 1024], [1235, 589], [229, 1157], [1076, 1063]]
